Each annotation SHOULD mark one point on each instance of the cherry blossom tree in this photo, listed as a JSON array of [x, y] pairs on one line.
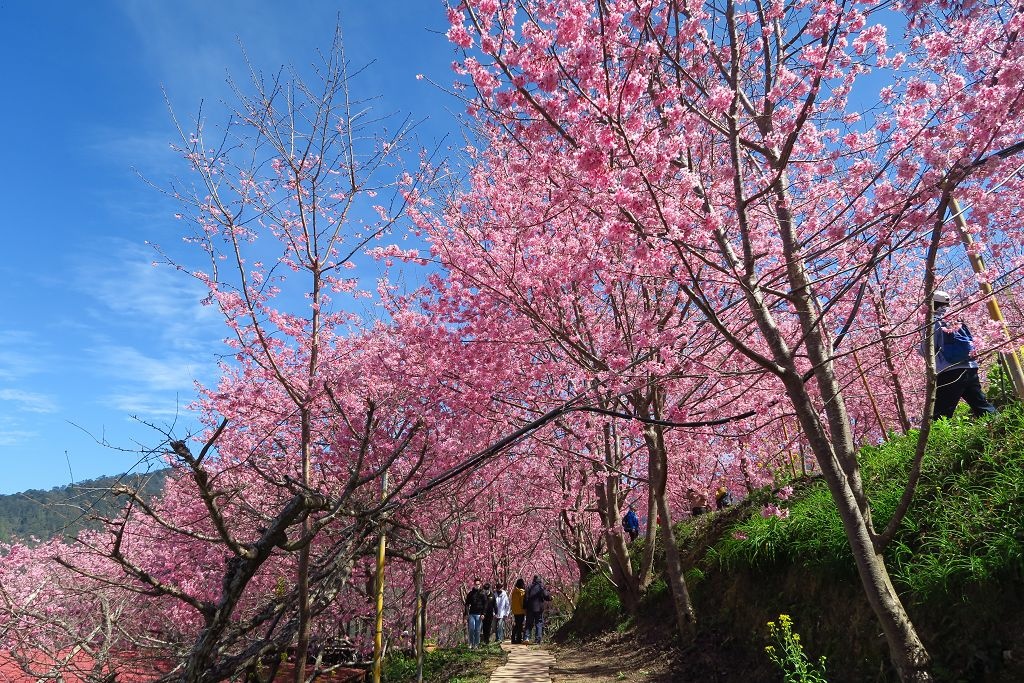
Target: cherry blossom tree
[[287, 198], [265, 520], [57, 624], [743, 147], [690, 250]]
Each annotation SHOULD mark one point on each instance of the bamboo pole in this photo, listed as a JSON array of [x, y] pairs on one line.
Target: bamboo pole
[[871, 397], [378, 633], [421, 618], [1009, 356]]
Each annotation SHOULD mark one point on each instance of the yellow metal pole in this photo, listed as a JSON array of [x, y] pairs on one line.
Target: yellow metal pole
[[421, 619], [378, 633], [1010, 356]]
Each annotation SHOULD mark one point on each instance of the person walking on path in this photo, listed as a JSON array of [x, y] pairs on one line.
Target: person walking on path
[[631, 524], [956, 370], [536, 598], [488, 614], [476, 604], [517, 604], [502, 609]]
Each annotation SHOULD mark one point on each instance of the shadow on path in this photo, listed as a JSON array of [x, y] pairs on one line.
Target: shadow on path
[[526, 664]]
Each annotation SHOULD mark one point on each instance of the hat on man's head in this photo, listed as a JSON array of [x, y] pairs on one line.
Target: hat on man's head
[[940, 298]]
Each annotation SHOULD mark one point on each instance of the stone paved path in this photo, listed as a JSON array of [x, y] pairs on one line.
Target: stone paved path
[[526, 664]]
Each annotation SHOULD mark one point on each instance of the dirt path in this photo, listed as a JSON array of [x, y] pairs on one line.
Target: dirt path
[[609, 659]]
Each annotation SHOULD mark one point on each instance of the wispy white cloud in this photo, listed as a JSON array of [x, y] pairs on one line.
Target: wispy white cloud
[[19, 355], [14, 437], [141, 156], [151, 338], [127, 364], [192, 58], [14, 433], [149, 385], [163, 301], [147, 405], [28, 401]]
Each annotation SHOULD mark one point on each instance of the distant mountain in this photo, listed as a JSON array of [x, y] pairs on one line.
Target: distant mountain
[[65, 510]]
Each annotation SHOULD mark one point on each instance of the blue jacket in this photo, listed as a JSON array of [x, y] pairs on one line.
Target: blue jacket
[[941, 365], [631, 522]]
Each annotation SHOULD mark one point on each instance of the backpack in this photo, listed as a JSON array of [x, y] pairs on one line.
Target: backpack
[[536, 596], [957, 346]]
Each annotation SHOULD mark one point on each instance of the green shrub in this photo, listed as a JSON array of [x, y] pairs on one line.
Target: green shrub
[[812, 535], [967, 523], [598, 601], [656, 593], [693, 576]]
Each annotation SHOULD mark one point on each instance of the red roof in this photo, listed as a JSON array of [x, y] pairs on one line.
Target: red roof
[[11, 670]]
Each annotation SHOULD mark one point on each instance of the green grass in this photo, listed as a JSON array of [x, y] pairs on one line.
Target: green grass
[[451, 665], [965, 526]]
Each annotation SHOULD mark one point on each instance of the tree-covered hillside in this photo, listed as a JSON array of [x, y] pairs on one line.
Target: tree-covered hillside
[[64, 510]]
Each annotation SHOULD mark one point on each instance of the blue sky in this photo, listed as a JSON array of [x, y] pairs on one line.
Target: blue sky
[[91, 335]]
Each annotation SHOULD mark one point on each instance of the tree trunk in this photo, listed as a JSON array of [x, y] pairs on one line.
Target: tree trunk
[[650, 537], [906, 650], [606, 488], [625, 582], [831, 441], [686, 620], [899, 398]]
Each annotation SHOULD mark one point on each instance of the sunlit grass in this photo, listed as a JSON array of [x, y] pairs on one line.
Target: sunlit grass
[[966, 524]]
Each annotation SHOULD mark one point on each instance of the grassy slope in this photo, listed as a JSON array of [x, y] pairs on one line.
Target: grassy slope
[[957, 562]]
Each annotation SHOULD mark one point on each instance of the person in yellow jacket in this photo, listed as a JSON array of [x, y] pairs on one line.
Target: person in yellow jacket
[[517, 601]]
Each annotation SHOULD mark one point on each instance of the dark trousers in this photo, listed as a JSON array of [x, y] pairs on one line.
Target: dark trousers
[[534, 625], [956, 384], [517, 628], [485, 636]]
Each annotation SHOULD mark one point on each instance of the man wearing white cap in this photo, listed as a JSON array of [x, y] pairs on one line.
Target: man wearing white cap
[[955, 366]]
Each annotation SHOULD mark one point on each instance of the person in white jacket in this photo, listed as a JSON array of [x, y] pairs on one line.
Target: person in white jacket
[[502, 609]]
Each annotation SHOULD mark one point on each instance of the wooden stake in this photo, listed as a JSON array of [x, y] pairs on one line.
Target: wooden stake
[[421, 618]]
